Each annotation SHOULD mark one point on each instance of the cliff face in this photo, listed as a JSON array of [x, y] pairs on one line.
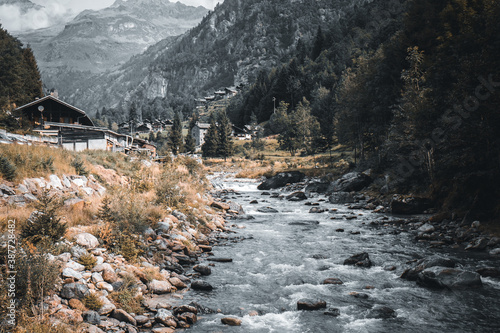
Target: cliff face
[[229, 47]]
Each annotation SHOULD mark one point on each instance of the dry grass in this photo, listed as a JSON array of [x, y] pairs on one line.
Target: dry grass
[[38, 161]]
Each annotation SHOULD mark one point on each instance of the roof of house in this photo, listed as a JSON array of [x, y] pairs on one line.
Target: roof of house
[[53, 98], [203, 125]]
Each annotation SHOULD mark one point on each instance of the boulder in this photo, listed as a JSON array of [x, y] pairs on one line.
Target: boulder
[[55, 182], [7, 190], [489, 272], [188, 317], [412, 273], [220, 259], [105, 286], [317, 187], [76, 304], [230, 321], [71, 273], [122, 315], [106, 309], [97, 277], [165, 317], [267, 210], [341, 198], [75, 203], [220, 205], [332, 281], [478, 244], [410, 205], [87, 240], [176, 282], [450, 278], [353, 181], [201, 285], [185, 308], [109, 276], [141, 320], [202, 269], [426, 228], [305, 304], [296, 196], [317, 210], [160, 287], [69, 316], [75, 266], [91, 317], [381, 312], [282, 179], [360, 260], [74, 290]]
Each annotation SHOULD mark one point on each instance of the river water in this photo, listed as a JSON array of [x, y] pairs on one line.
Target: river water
[[282, 257]]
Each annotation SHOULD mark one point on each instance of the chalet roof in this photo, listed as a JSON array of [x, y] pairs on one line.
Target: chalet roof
[[57, 100], [37, 101], [220, 92], [231, 89]]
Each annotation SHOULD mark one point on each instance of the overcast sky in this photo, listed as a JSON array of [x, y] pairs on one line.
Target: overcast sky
[[58, 11]]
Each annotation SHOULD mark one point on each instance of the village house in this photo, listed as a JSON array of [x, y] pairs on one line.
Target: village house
[[72, 127], [199, 131]]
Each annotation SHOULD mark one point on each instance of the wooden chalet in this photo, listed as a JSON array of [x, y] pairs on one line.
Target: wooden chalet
[[73, 128]]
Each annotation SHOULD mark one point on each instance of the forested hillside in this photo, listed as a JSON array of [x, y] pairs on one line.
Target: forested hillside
[[20, 81], [412, 86]]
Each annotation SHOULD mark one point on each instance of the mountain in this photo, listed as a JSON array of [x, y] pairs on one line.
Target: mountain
[[97, 41], [23, 5], [229, 47]]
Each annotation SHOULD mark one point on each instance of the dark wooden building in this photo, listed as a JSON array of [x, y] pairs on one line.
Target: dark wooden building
[[52, 109]]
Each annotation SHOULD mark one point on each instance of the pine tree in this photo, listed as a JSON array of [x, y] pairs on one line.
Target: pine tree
[[209, 148], [175, 138], [132, 117], [44, 226], [189, 142], [319, 44], [225, 148]]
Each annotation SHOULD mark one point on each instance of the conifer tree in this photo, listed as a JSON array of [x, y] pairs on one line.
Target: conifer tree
[[175, 138], [225, 147], [189, 142], [209, 148]]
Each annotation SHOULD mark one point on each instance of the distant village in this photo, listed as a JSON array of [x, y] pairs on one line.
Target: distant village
[[58, 123]]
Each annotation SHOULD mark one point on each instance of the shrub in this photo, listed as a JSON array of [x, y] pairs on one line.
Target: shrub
[[7, 169], [79, 166], [44, 226], [128, 247], [88, 261], [36, 277], [92, 302], [126, 296]]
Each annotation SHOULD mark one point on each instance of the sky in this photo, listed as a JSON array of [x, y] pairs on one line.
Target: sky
[[60, 11]]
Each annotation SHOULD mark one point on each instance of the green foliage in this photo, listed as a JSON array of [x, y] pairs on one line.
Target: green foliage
[[126, 296], [36, 277], [7, 169], [44, 226], [20, 81], [128, 247], [175, 138], [92, 302], [79, 166], [88, 261], [224, 129], [209, 147]]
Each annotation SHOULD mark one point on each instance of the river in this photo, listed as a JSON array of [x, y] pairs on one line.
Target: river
[[279, 258]]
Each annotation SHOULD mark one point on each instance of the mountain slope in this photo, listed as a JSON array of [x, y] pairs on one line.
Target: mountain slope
[[97, 41], [229, 47]]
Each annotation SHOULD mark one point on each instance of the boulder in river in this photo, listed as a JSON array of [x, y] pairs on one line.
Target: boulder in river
[[267, 210], [317, 187], [231, 321], [334, 312], [352, 181], [412, 273], [281, 180], [201, 285], [381, 312], [333, 281], [310, 305], [296, 196], [450, 278], [341, 198], [489, 272], [202, 269], [360, 260]]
